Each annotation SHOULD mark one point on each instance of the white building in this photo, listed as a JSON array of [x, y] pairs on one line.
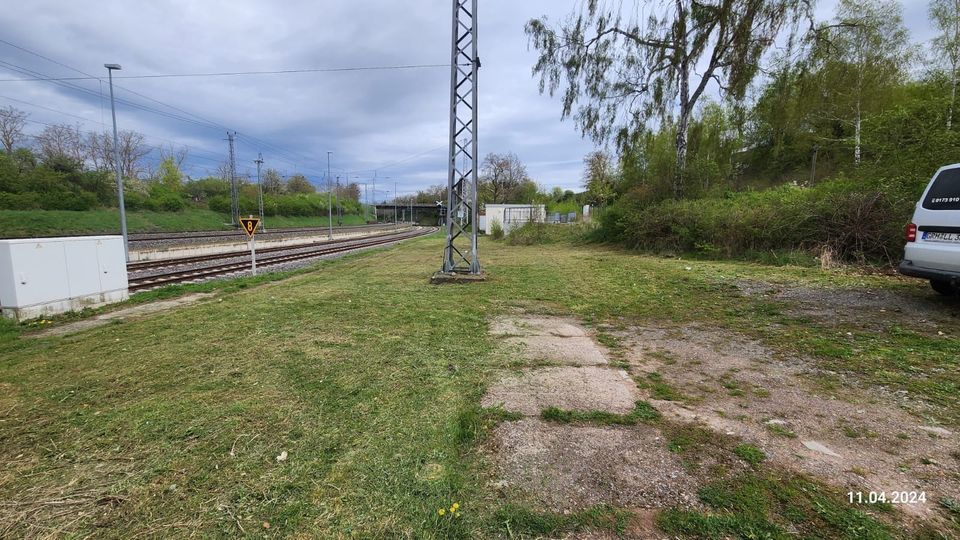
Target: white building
[[510, 216]]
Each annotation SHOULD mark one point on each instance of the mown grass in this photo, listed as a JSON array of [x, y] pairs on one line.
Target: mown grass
[[28, 223], [370, 380]]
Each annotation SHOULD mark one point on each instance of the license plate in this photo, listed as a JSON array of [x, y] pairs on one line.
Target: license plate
[[941, 237]]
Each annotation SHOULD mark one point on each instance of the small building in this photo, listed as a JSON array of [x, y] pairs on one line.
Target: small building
[[511, 216], [46, 276]]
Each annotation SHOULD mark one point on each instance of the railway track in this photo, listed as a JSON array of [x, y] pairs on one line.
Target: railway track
[[152, 281]]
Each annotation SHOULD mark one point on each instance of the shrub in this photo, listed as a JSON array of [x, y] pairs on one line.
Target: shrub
[[496, 230], [855, 220], [533, 233]]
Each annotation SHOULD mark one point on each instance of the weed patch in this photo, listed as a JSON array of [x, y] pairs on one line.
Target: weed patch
[[642, 412]]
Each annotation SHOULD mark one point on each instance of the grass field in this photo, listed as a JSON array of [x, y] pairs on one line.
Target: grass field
[[366, 381], [28, 223]]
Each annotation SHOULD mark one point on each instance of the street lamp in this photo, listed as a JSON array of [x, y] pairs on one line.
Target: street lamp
[[329, 201], [116, 162]]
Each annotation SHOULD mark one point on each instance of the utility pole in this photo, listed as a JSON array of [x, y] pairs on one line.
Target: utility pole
[[116, 165], [374, 193], [234, 190], [259, 162], [395, 222], [460, 252], [366, 202], [329, 201], [339, 205]]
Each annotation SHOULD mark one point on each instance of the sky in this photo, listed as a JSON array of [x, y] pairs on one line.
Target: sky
[[387, 125]]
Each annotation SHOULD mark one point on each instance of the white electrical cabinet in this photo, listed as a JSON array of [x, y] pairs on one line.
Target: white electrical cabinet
[[46, 276]]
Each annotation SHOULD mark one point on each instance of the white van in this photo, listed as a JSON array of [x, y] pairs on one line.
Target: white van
[[933, 236]]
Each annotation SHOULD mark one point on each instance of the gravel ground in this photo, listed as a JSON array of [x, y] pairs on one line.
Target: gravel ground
[[858, 440]]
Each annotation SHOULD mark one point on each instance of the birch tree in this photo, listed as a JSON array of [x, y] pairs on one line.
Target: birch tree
[[625, 64], [946, 16], [865, 52]]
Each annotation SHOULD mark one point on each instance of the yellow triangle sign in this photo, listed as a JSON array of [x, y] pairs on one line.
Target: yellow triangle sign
[[250, 225]]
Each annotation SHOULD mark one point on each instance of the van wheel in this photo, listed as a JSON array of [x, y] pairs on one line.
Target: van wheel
[[943, 287]]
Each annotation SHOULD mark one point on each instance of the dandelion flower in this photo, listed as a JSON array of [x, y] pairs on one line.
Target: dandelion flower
[[441, 511], [456, 506]]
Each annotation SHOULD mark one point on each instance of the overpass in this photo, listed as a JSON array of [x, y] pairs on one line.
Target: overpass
[[428, 212]]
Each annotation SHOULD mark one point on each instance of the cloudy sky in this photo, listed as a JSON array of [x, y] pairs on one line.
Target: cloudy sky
[[391, 123]]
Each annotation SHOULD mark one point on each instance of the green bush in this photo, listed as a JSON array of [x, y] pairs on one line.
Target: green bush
[[534, 233], [496, 230], [855, 220]]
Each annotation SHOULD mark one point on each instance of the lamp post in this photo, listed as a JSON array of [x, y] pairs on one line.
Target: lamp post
[[116, 162], [329, 201]]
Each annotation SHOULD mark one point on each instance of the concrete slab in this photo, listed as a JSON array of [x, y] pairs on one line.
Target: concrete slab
[[572, 388], [536, 326], [575, 351], [565, 467]]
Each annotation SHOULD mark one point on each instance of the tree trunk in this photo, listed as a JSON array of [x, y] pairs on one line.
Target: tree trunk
[[684, 75], [953, 97], [856, 137], [678, 176]]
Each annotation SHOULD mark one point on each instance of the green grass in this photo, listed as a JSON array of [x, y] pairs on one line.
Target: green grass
[[371, 380], [757, 505], [518, 521], [749, 453], [642, 412], [27, 223], [782, 431], [660, 389]]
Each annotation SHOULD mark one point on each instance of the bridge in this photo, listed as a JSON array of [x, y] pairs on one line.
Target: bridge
[[426, 212]]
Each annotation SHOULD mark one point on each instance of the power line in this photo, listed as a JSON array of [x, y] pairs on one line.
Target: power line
[[237, 73], [197, 119]]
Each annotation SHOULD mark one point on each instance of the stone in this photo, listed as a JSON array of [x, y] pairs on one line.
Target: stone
[[820, 448]]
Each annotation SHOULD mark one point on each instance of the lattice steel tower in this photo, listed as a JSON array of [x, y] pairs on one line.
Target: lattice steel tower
[[460, 253]]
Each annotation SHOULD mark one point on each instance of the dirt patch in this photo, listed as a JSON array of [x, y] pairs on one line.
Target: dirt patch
[[872, 309], [573, 388], [734, 385], [120, 314], [567, 468]]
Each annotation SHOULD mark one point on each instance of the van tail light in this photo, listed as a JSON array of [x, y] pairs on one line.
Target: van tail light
[[912, 232]]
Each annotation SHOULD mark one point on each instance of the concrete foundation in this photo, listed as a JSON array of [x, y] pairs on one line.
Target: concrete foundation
[[442, 277]]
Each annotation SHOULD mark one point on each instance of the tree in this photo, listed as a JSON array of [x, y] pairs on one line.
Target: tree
[[98, 149], [946, 16], [862, 58], [431, 195], [599, 177], [59, 141], [350, 192], [622, 72], [298, 183], [169, 175], [272, 182], [11, 127], [501, 176]]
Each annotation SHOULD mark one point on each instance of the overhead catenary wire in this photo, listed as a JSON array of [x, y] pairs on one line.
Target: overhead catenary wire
[[240, 73], [284, 155]]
